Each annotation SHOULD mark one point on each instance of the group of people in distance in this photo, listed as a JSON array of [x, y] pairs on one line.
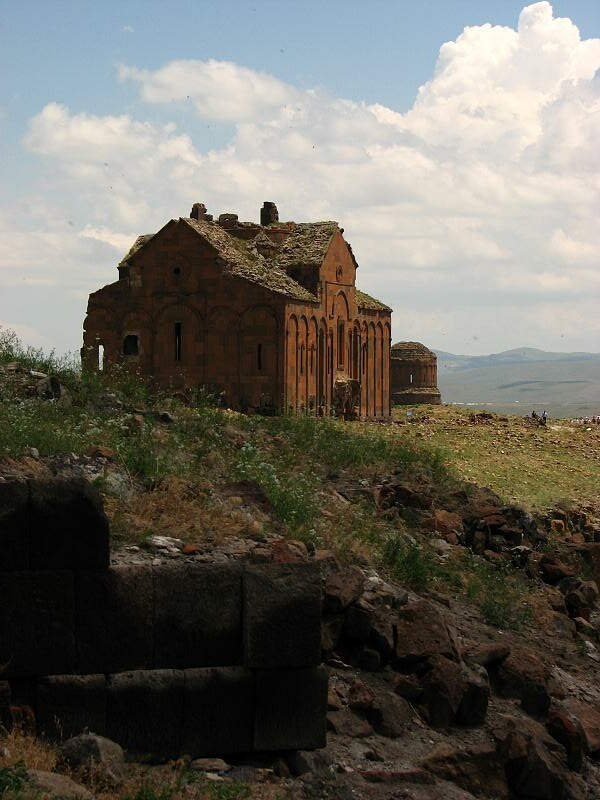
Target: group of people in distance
[[593, 420], [541, 420]]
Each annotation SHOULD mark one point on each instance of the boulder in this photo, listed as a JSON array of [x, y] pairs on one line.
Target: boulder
[[345, 723], [358, 621], [342, 588], [331, 631], [523, 675], [422, 632], [442, 521], [52, 785], [443, 690], [535, 762], [97, 756], [477, 769], [567, 730], [553, 570], [476, 695], [382, 636], [487, 654], [390, 715], [587, 716]]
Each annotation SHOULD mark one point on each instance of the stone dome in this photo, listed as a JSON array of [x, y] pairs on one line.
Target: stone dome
[[409, 351]]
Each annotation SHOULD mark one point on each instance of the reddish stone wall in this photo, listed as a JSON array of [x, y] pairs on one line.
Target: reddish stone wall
[[414, 375], [176, 317]]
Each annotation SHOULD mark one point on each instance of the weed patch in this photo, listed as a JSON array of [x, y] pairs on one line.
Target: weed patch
[[498, 592], [413, 565], [293, 496]]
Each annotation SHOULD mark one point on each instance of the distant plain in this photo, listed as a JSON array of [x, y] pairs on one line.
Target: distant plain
[[566, 385]]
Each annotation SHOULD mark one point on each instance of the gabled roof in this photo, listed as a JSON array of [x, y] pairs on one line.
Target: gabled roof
[[306, 245], [241, 262], [364, 300], [137, 245]]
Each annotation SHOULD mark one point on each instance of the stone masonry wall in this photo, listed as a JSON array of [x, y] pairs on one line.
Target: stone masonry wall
[[203, 659]]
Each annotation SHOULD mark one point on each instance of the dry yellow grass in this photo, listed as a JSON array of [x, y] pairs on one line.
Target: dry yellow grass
[[16, 746]]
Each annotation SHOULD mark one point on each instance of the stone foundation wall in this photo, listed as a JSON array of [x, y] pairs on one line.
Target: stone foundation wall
[[194, 658]]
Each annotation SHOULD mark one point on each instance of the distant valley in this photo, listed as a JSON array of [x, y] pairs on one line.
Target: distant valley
[[520, 380]]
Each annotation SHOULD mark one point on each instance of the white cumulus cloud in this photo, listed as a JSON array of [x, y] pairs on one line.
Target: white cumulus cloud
[[483, 198]]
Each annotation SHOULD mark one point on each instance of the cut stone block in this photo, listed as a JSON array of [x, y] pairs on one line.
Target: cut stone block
[[115, 610], [67, 705], [282, 615], [68, 526], [37, 623], [14, 525], [218, 711], [145, 711], [197, 615], [291, 708]]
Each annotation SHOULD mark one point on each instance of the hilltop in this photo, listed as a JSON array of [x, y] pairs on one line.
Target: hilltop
[[481, 525]]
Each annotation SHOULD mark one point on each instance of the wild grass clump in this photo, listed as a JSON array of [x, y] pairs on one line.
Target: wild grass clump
[[410, 563], [12, 349], [18, 748], [498, 591], [44, 426], [292, 495]]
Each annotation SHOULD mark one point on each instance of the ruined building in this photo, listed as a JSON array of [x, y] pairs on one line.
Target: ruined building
[[266, 316], [414, 374]]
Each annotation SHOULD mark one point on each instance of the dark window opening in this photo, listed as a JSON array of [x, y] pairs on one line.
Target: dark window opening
[[177, 271], [131, 345], [331, 352], [178, 341], [259, 356], [341, 344]]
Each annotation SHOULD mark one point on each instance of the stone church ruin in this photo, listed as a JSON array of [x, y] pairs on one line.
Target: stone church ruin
[[414, 374], [266, 316]]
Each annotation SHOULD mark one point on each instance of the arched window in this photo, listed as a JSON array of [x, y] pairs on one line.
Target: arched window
[[131, 345], [341, 344]]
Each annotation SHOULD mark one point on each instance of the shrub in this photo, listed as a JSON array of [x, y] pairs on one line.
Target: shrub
[[498, 592], [13, 779], [410, 563]]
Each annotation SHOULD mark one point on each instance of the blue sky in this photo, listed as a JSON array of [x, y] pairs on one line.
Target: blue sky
[[471, 205]]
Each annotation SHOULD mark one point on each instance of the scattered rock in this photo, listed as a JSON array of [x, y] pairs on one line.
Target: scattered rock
[[96, 755], [57, 786]]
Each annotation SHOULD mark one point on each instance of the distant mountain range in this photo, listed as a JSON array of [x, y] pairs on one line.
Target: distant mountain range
[[566, 384]]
